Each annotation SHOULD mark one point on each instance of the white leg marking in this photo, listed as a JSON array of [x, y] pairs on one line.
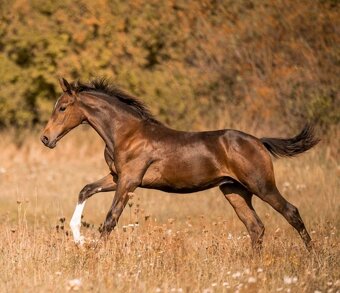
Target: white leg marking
[[76, 223]]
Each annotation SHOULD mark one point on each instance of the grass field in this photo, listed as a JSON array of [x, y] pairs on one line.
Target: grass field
[[182, 243]]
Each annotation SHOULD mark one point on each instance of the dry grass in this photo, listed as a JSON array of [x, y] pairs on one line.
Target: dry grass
[[183, 243]]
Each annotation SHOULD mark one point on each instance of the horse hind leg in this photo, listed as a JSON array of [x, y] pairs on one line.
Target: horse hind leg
[[240, 199], [265, 188], [289, 211], [253, 168]]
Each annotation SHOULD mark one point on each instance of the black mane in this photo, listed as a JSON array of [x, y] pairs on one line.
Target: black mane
[[103, 85]]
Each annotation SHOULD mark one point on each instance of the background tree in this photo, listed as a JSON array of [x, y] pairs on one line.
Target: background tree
[[198, 64]]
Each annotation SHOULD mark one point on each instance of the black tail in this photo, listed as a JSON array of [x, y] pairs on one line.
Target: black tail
[[289, 147]]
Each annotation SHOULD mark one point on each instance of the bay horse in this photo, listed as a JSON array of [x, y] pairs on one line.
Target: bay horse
[[142, 152]]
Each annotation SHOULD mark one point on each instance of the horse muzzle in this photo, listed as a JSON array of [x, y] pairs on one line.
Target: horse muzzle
[[48, 142]]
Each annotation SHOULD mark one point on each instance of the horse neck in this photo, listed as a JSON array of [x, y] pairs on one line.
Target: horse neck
[[108, 118]]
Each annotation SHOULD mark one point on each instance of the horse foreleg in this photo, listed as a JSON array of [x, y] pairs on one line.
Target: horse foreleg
[[125, 186], [102, 185], [114, 214], [107, 183]]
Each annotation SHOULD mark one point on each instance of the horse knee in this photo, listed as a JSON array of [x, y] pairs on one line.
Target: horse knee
[[85, 193]]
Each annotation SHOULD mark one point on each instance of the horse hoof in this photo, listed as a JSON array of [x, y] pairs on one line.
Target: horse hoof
[[80, 242]]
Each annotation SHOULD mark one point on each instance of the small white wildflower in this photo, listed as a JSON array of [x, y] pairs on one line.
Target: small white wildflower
[[131, 195], [252, 280], [247, 271], [213, 284], [158, 290], [286, 184], [330, 283], [230, 236], [74, 284], [236, 275], [259, 270], [58, 273], [133, 225], [300, 186], [289, 280], [225, 284]]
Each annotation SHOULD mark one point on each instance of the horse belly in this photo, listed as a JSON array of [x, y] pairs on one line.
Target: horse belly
[[183, 176]]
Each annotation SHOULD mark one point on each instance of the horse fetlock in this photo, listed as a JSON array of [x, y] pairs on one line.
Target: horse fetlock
[[105, 232], [261, 229], [309, 245], [74, 225], [109, 226], [258, 230], [256, 233]]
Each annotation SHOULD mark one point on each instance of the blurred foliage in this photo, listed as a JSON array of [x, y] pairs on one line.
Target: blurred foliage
[[255, 62]]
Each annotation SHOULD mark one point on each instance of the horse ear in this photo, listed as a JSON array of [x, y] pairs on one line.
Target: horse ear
[[66, 87]]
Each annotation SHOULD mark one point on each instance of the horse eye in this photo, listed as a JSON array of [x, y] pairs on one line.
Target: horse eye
[[62, 109]]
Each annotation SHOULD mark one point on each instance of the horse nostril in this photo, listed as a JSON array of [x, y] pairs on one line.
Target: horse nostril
[[44, 139]]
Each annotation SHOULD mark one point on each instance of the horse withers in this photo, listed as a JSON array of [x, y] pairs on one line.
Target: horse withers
[[142, 152]]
